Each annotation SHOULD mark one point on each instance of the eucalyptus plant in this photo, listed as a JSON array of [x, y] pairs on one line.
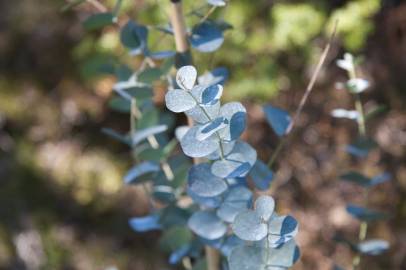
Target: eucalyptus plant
[[261, 239], [225, 211], [360, 149]]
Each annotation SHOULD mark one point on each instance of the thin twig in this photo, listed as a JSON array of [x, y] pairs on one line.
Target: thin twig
[[312, 81], [99, 6], [305, 96]]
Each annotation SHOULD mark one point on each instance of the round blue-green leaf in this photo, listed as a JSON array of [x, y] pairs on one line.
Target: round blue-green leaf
[[281, 229], [364, 214], [207, 130], [278, 119], [361, 147], [144, 224], [357, 85], [380, 178], [149, 75], [186, 77], [178, 100], [246, 258], [283, 256], [207, 202], [206, 37], [134, 37], [347, 63], [261, 175], [139, 170], [229, 244], [216, 76], [180, 132], [143, 134], [264, 206], [373, 247], [236, 200], [177, 255], [207, 225], [195, 148], [161, 54], [227, 148], [357, 178], [237, 164], [217, 3], [235, 112], [164, 193], [249, 226], [197, 114], [342, 113], [212, 94], [203, 183]]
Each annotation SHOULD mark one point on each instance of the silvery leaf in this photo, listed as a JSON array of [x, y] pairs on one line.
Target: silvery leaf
[[216, 3], [246, 258], [203, 183], [195, 148], [235, 201], [261, 175], [186, 77], [283, 256], [264, 206], [200, 117], [180, 132], [207, 130], [373, 246], [342, 113], [207, 225], [144, 224], [357, 85], [236, 164], [227, 148], [235, 112], [179, 100], [249, 226], [347, 63], [281, 229]]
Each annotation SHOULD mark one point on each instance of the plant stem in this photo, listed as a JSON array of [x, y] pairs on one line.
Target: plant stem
[[182, 48], [363, 228], [212, 9], [136, 114], [99, 6], [305, 96]]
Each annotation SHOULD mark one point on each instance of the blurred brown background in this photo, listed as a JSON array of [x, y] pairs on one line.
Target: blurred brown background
[[62, 203]]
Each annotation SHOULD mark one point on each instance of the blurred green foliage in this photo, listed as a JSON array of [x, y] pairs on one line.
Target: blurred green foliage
[[268, 39]]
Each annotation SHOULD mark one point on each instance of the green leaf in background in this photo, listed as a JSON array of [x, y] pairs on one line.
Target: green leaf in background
[[150, 75], [200, 265], [117, 136], [149, 118], [128, 35], [98, 21], [120, 104], [140, 92], [175, 238], [123, 73]]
